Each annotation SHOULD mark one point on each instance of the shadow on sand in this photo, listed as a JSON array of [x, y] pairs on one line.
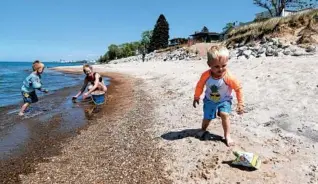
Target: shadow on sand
[[207, 136], [243, 168]]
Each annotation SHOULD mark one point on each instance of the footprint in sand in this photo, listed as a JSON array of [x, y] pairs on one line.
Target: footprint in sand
[[205, 169]]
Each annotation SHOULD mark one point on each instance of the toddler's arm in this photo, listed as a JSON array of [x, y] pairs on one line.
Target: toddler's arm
[[200, 85], [237, 87], [36, 84]]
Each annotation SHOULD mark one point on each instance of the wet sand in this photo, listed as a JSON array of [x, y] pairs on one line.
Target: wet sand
[[112, 146], [27, 140], [32, 138]]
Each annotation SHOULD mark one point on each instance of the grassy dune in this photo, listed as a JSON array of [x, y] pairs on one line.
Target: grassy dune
[[303, 27]]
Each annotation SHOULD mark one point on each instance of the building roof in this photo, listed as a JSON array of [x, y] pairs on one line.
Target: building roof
[[205, 33], [173, 39]]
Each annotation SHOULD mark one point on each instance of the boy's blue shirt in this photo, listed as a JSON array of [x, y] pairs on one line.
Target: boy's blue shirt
[[32, 82]]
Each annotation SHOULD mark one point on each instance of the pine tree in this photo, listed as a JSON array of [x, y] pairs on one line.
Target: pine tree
[[205, 30], [160, 36]]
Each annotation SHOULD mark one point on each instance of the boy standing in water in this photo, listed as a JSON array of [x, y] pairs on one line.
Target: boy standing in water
[[32, 82], [219, 84]]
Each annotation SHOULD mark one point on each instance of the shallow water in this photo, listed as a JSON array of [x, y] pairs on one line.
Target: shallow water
[[58, 116], [12, 75]]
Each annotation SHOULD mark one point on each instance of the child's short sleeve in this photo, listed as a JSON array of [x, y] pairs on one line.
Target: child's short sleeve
[[232, 81], [200, 85]]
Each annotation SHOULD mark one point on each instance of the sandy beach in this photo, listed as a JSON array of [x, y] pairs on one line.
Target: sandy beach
[[150, 135]]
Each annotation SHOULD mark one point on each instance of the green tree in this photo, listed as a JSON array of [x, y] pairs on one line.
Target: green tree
[[160, 36], [145, 41], [229, 26], [113, 52], [135, 47], [275, 7], [232, 25], [103, 59], [119, 51], [129, 49]]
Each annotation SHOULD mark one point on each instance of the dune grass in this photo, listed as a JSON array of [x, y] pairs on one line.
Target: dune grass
[[259, 29]]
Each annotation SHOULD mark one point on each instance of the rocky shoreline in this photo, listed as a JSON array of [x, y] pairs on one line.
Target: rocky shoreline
[[267, 47], [271, 47]]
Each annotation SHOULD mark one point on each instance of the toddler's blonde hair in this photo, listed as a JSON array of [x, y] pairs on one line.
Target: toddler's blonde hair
[[215, 52], [37, 65]]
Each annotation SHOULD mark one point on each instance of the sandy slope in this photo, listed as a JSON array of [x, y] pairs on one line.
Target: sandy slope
[[280, 124]]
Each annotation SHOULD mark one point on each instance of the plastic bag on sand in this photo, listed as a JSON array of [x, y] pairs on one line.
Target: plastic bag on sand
[[247, 159]]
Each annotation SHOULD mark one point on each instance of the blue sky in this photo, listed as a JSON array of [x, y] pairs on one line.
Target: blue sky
[[83, 29]]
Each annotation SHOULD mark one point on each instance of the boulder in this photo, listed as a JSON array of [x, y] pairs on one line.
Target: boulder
[[241, 57], [254, 54], [261, 55], [243, 48], [261, 50], [285, 46], [274, 47], [310, 48], [247, 52], [269, 51], [279, 50], [298, 52], [280, 44]]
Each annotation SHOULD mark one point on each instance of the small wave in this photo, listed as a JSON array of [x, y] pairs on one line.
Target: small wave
[[7, 72]]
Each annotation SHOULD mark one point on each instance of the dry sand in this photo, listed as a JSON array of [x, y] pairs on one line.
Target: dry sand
[[280, 124]]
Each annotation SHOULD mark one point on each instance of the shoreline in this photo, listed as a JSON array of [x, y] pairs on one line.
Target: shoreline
[[26, 141], [31, 140]]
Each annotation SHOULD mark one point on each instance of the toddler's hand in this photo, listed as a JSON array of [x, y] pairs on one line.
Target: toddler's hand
[[195, 102], [46, 91], [240, 109]]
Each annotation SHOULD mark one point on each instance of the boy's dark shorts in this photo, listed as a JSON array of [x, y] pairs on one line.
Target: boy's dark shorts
[[29, 97]]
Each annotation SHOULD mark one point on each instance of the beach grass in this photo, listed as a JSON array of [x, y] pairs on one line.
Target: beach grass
[[259, 29]]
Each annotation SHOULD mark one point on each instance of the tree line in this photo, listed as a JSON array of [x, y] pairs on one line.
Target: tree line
[[151, 40]]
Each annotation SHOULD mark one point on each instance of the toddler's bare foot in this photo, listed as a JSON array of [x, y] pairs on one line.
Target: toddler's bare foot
[[229, 141], [21, 113]]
